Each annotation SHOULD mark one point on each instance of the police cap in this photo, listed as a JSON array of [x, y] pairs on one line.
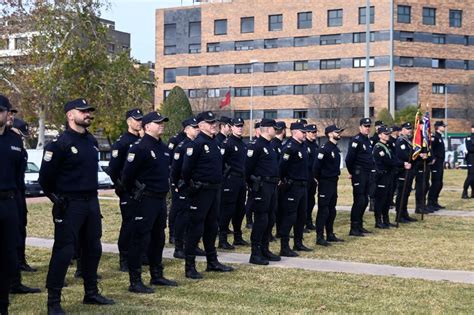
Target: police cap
[[79, 104]]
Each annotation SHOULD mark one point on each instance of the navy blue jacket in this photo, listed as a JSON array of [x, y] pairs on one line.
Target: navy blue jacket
[[403, 148], [328, 161], [119, 154], [11, 161], [437, 147], [312, 148], [262, 160], [294, 161], [175, 140], [220, 138], [177, 163], [359, 154], [235, 151], [385, 159]]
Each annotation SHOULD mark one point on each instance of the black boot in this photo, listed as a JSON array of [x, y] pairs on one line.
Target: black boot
[[371, 204], [223, 243], [95, 298], [437, 205], [256, 257], [157, 277], [268, 254], [362, 229], [355, 229], [78, 273], [285, 250], [299, 246], [54, 302], [199, 252], [214, 265], [136, 283], [386, 221], [310, 226], [190, 268], [239, 241], [378, 222], [421, 210], [464, 194], [333, 238], [123, 261], [321, 241], [4, 309], [17, 287], [27, 268], [179, 249]]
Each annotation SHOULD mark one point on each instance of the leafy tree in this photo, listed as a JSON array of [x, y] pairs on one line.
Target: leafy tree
[[406, 114], [385, 116], [177, 108]]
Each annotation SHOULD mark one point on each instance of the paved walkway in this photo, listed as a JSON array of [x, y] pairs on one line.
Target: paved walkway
[[456, 276]]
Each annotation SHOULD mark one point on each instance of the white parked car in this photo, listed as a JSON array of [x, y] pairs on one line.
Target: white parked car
[[104, 179], [33, 188]]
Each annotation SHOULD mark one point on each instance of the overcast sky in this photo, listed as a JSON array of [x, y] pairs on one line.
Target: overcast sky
[[137, 17]]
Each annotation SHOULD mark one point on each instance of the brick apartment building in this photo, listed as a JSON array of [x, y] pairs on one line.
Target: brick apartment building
[[276, 56]]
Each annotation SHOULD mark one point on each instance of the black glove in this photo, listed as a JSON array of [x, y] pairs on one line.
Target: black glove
[[60, 204]]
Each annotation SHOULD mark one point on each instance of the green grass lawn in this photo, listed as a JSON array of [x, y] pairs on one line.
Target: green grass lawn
[[252, 289]]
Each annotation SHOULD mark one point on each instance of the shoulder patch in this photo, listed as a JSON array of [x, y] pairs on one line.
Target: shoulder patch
[[74, 150], [189, 151], [286, 156], [249, 153], [320, 156], [222, 151], [48, 155], [171, 145], [354, 144], [381, 153], [114, 153], [176, 156], [403, 147], [131, 157]]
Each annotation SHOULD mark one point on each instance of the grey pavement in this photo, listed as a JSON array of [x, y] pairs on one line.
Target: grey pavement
[[456, 276]]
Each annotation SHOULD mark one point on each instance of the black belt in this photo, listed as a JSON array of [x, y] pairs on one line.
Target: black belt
[[7, 194], [273, 180], [149, 193], [80, 196], [236, 174], [302, 183]]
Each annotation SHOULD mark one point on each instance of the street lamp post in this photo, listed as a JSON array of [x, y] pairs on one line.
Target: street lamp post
[[252, 62]]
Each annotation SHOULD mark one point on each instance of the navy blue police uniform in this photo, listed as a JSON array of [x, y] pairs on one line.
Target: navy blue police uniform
[[220, 137], [293, 195], [119, 155], [312, 147], [248, 202], [326, 170], [261, 167], [470, 167], [68, 176], [437, 168], [422, 181], [202, 174], [360, 165], [277, 145], [233, 187]]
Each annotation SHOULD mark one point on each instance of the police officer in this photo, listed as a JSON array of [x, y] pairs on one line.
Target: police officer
[[361, 167], [68, 176], [470, 166], [277, 144], [437, 169], [224, 129], [180, 202], [312, 147], [422, 180], [145, 177], [385, 161], [202, 174], [404, 151], [233, 188], [326, 170], [294, 190], [392, 146], [375, 137], [261, 168], [119, 155], [248, 202]]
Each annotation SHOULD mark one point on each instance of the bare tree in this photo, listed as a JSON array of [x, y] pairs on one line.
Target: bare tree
[[337, 101], [468, 99], [204, 98]]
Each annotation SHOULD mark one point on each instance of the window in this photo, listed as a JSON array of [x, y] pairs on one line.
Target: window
[[275, 22], [196, 93], [406, 36], [406, 61], [360, 37], [270, 67], [438, 88], [211, 93], [305, 20], [301, 65], [362, 12], [213, 70], [466, 64], [110, 47], [330, 64], [270, 90], [194, 48], [170, 50], [166, 93], [466, 40], [170, 31], [300, 113], [244, 45], [194, 29], [438, 113], [429, 16], [301, 41], [439, 39], [270, 114], [242, 92], [330, 39], [334, 18], [22, 43], [220, 27], [194, 71], [329, 88], [361, 63], [270, 43], [244, 114], [404, 14], [300, 89], [438, 63], [359, 87], [213, 47], [243, 68], [371, 111], [247, 25], [169, 75], [455, 18]]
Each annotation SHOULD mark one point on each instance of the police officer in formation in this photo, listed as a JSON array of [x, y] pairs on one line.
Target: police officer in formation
[[234, 151], [326, 171], [248, 203], [68, 176], [262, 177], [145, 177], [202, 175], [361, 167], [294, 190], [180, 200], [422, 166], [277, 144], [470, 165], [312, 147], [437, 169], [119, 155], [224, 129], [385, 162]]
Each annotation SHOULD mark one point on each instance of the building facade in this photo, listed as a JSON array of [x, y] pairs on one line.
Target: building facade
[[281, 59]]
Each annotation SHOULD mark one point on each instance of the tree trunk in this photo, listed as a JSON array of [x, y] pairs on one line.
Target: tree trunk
[[41, 128]]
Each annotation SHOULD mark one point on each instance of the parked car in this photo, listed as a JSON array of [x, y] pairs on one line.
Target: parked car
[[33, 188], [104, 179]]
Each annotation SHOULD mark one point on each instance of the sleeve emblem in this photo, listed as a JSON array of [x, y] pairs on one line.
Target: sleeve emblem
[[131, 157], [189, 151], [48, 155], [114, 153]]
